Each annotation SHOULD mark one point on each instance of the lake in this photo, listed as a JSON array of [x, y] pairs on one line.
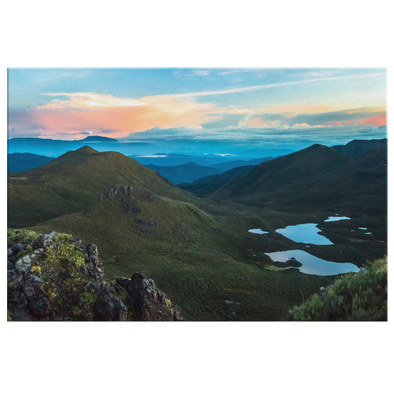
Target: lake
[[305, 233], [313, 265], [257, 231], [336, 218]]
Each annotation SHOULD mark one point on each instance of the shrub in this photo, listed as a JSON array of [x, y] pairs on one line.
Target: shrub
[[23, 237], [358, 296]]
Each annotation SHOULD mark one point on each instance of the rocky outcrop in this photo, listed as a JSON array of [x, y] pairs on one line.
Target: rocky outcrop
[[292, 262], [134, 193], [146, 301], [54, 277]]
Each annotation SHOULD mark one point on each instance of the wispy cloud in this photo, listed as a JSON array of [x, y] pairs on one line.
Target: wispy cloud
[[270, 86], [192, 73]]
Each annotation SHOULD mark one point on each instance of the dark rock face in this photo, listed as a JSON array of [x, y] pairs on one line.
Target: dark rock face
[[130, 193], [55, 277], [148, 303]]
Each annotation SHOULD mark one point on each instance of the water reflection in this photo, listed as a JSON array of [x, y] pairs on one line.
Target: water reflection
[[305, 233], [313, 265], [257, 231], [336, 218]]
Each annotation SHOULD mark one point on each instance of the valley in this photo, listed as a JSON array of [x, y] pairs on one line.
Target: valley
[[195, 243]]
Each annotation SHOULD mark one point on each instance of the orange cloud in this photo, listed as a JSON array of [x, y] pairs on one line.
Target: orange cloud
[[105, 114]]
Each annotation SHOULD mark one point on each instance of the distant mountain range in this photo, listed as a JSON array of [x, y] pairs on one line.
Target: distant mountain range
[[175, 159], [205, 186], [188, 172], [240, 163], [55, 148], [25, 161], [97, 138], [357, 147]]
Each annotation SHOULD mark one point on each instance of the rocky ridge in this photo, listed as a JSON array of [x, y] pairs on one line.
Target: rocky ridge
[[138, 193], [53, 276]]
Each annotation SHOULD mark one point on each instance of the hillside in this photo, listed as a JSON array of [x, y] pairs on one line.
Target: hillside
[[284, 172], [195, 258], [207, 185], [25, 161], [315, 177], [188, 172], [199, 250], [357, 147], [71, 182]]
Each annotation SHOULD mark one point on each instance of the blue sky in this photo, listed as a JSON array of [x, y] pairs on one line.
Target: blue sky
[[326, 105]]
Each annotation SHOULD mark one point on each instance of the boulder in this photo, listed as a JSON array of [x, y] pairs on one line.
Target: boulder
[[78, 291], [44, 240], [148, 303], [23, 264]]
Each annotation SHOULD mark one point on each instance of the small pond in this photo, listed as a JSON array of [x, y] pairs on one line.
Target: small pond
[[336, 218], [257, 231], [313, 265], [305, 233]]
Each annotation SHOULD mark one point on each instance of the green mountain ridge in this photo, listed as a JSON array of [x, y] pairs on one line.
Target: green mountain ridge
[[199, 250], [317, 176], [71, 182]]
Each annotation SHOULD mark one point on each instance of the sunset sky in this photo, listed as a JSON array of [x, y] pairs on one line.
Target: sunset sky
[[326, 105]]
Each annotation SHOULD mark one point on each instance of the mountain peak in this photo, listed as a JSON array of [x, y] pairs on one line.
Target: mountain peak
[[86, 150]]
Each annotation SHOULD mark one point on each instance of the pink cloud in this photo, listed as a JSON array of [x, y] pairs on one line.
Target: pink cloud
[[374, 121], [97, 112]]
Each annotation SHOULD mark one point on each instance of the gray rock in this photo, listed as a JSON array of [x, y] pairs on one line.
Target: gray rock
[[44, 240], [148, 302], [16, 248], [28, 290], [23, 264]]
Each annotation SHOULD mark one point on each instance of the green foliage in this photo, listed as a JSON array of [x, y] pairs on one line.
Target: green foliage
[[358, 296], [29, 249], [62, 237], [22, 236], [90, 298], [64, 254]]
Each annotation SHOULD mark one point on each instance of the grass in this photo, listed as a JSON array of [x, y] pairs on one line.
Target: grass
[[198, 250]]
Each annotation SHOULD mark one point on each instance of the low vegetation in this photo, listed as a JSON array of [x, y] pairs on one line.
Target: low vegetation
[[358, 296], [199, 250]]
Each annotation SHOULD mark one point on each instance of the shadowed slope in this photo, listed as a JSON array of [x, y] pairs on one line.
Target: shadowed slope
[[285, 171], [357, 147], [315, 177]]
